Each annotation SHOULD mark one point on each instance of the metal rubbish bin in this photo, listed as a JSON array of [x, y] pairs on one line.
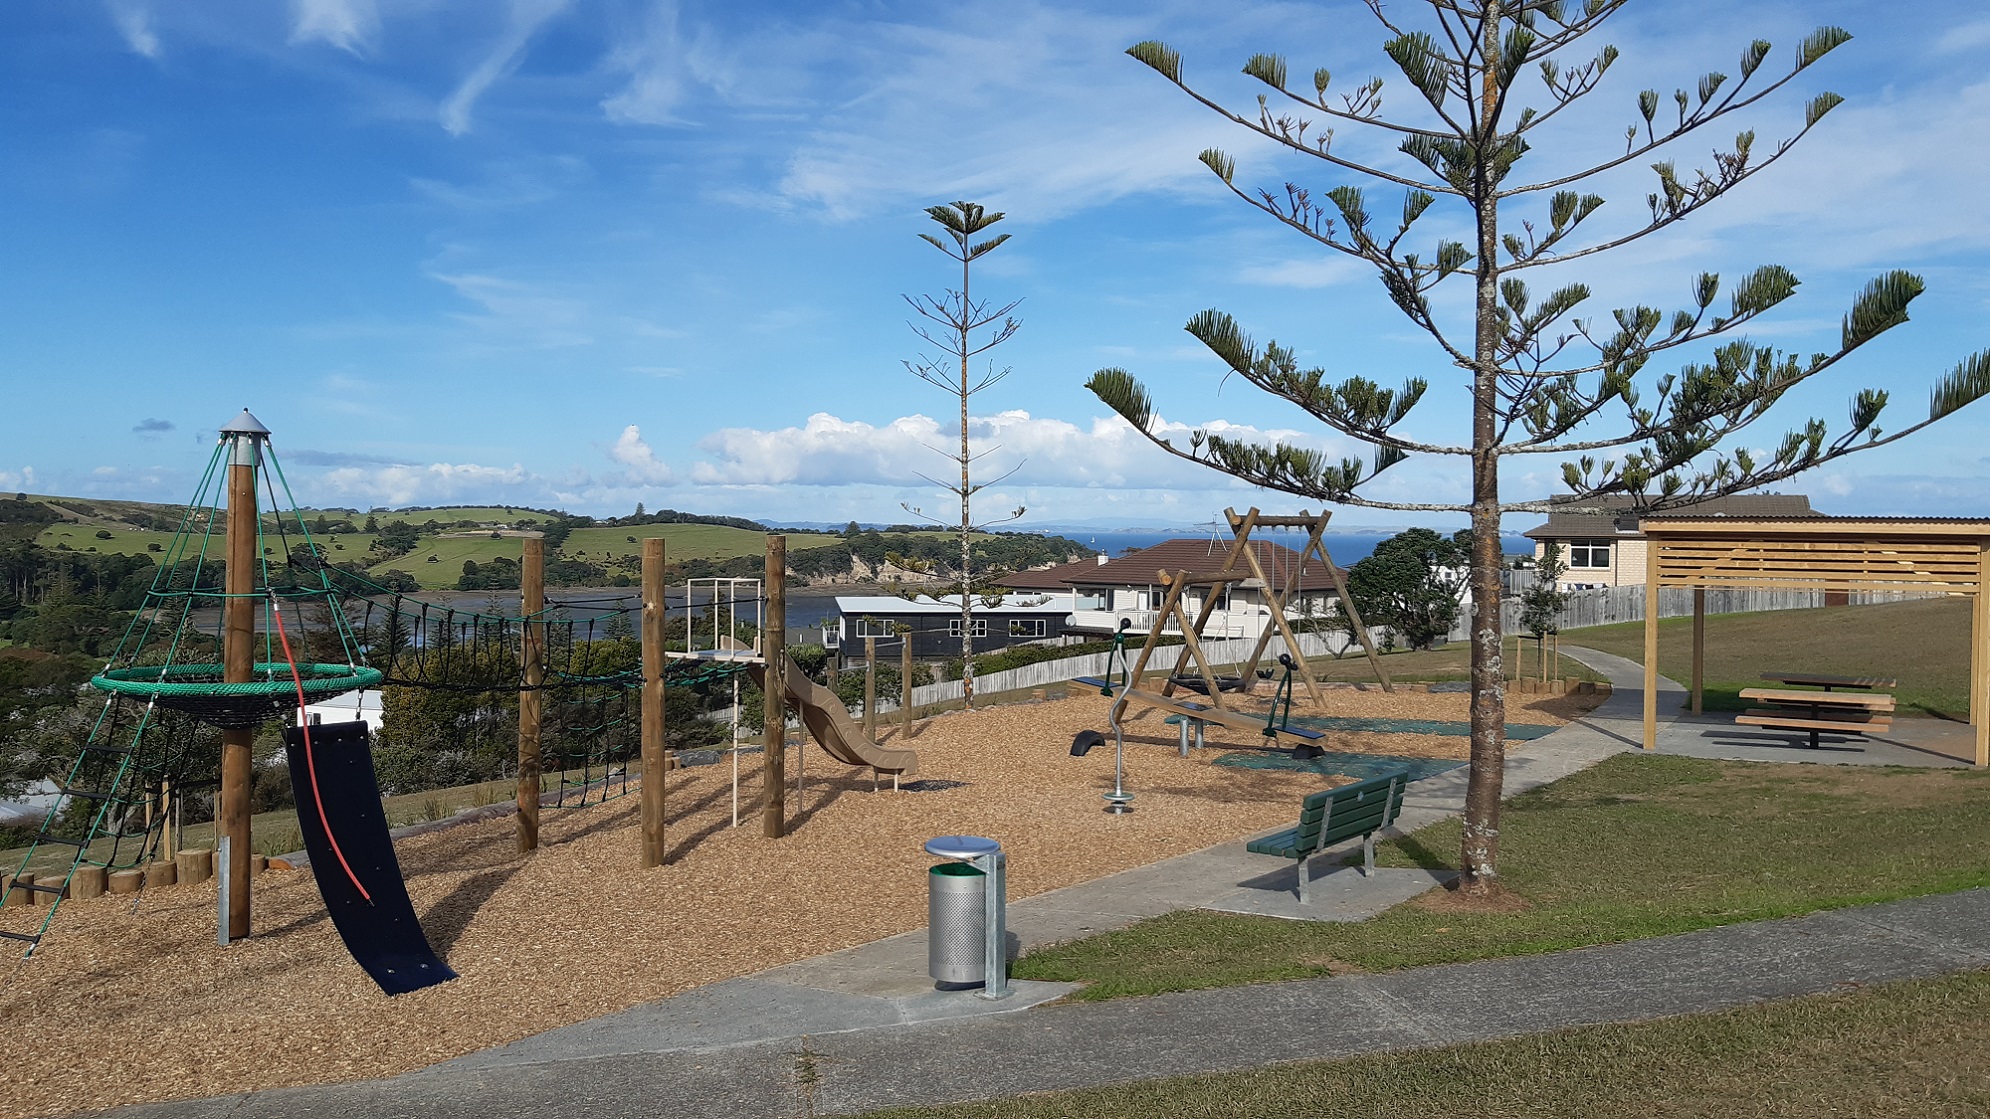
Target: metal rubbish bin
[[966, 915], [956, 925]]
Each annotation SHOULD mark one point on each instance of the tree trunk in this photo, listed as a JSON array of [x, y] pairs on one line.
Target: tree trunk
[[1479, 859], [966, 512]]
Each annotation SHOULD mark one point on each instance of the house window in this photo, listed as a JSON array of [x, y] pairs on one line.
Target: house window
[[1092, 598], [1589, 553], [980, 627], [1029, 627], [876, 627]]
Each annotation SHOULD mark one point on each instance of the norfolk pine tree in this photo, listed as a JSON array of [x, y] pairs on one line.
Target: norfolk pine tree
[[1541, 380], [954, 320]]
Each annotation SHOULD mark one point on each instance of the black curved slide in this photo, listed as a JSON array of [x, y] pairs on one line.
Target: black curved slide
[[358, 874]]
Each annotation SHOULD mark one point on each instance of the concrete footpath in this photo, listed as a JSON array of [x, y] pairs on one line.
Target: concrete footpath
[[885, 1038]]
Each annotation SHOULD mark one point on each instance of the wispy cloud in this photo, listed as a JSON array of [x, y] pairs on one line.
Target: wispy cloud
[[350, 25], [526, 17], [520, 312], [133, 19], [308, 457], [152, 427]]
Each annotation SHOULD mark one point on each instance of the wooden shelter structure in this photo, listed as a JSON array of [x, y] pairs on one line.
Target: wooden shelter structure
[[1948, 556]]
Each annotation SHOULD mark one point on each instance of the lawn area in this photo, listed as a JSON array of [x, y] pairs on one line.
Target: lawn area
[[1449, 662], [1914, 1048], [1924, 644], [1639, 846]]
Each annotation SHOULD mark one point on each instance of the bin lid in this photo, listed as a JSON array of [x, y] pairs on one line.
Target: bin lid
[[961, 846]]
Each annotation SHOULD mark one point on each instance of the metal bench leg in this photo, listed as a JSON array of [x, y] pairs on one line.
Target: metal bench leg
[[1199, 724], [1302, 881], [1368, 855], [1185, 723]]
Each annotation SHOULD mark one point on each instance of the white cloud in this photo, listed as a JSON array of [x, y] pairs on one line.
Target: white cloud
[[17, 480], [526, 18], [1049, 453], [436, 481], [631, 451], [350, 25], [134, 21]]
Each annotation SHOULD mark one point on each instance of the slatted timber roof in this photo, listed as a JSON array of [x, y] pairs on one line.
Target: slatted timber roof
[[1944, 555]]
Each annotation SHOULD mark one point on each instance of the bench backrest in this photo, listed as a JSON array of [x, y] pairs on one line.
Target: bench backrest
[[1331, 815]]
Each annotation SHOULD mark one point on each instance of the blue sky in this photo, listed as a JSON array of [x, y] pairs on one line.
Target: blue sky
[[594, 252]]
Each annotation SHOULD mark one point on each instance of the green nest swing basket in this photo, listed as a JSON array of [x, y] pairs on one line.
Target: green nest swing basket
[[199, 691]]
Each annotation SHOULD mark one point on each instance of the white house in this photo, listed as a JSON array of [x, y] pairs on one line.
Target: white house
[[346, 707], [1104, 592]]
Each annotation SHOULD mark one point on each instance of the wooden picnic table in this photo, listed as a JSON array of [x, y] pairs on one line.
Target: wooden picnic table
[[1819, 680], [1815, 712]]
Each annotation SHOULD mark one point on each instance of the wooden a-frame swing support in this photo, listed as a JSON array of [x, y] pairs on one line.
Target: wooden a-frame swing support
[[1172, 609]]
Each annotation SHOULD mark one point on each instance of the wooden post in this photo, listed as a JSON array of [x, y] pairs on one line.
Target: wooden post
[[871, 688], [1651, 662], [905, 684], [1699, 645], [773, 700], [654, 605], [238, 656], [169, 840], [531, 703], [1979, 658], [89, 882]]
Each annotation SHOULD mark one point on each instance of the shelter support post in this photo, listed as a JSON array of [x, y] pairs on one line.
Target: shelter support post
[[1979, 659], [655, 765], [1651, 662], [774, 696], [1699, 645], [532, 604]]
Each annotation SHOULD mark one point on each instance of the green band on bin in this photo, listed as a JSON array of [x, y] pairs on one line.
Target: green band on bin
[[958, 870]]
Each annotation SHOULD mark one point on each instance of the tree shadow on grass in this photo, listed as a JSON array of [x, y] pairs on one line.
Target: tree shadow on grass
[[1420, 854]]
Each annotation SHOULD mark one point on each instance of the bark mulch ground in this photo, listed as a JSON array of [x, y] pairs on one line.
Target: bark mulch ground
[[126, 1003]]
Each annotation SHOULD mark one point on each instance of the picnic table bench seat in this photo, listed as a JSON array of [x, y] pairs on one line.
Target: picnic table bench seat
[[1332, 816]]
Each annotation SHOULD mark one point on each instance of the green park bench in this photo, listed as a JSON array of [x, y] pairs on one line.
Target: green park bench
[[1333, 815]]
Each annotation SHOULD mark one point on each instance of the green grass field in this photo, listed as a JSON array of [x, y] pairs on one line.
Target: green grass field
[[1924, 644], [1898, 1049], [1639, 846], [604, 546], [683, 542]]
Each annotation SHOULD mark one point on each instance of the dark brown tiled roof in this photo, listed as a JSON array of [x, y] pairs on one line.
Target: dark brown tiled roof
[[1049, 578], [1202, 557], [1617, 516]]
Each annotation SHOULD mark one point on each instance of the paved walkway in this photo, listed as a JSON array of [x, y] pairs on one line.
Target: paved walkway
[[887, 1038]]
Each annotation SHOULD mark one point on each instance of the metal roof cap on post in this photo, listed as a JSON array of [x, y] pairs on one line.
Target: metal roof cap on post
[[248, 433]]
